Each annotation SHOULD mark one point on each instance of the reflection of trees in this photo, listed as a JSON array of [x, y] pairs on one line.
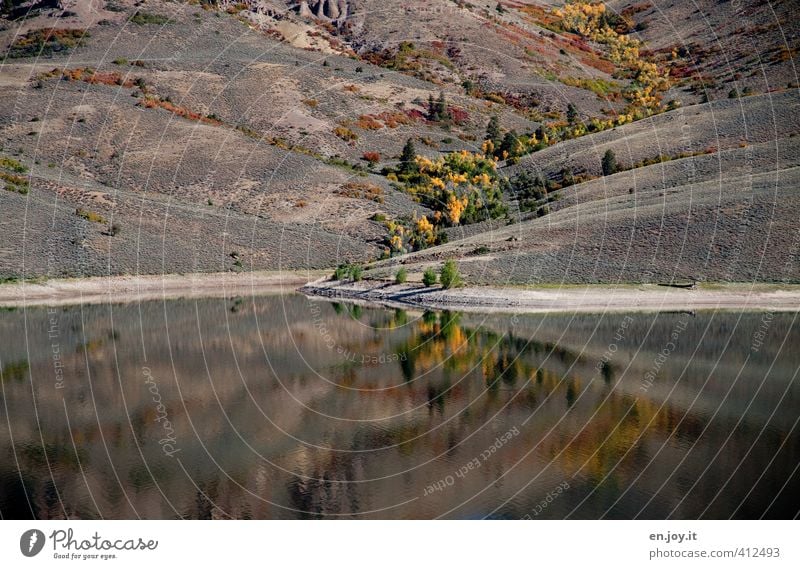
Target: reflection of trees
[[463, 383]]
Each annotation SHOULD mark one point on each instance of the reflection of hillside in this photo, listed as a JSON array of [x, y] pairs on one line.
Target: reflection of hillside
[[272, 413]]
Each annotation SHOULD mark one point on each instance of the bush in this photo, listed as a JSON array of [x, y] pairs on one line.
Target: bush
[[401, 276], [429, 277], [145, 18], [341, 272], [356, 272], [372, 157], [90, 216], [46, 42], [449, 275]]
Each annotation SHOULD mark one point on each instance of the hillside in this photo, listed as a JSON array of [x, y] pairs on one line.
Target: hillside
[[151, 137]]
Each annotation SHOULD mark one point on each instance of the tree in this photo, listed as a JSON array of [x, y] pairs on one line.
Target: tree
[[441, 108], [510, 144], [610, 165], [401, 276], [437, 109], [449, 276], [493, 131], [572, 114], [429, 277], [527, 189], [407, 157]]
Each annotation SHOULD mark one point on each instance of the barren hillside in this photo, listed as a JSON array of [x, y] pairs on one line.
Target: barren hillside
[[152, 136]]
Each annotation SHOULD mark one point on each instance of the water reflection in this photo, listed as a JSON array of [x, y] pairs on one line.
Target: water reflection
[[279, 407]]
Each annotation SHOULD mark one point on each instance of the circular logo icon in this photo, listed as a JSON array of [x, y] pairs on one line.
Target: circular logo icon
[[31, 542]]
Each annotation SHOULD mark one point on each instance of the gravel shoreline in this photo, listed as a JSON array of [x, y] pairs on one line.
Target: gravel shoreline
[[568, 298]]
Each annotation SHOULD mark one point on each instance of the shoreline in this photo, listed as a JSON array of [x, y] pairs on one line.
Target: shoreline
[[567, 298], [134, 288], [480, 299]]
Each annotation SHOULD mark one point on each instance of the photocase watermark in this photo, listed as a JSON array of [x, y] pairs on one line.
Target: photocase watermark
[[551, 496], [168, 442], [612, 348], [761, 333], [330, 342], [474, 464], [662, 356], [31, 542], [67, 546], [53, 334]]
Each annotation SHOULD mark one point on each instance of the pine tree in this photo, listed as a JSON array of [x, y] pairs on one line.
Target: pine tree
[[407, 157], [431, 108], [572, 114], [493, 131], [609, 164], [441, 108], [509, 144]]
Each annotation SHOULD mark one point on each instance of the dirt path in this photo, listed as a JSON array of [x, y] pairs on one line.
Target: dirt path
[[569, 298]]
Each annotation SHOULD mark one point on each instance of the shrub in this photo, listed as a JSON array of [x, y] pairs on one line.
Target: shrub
[[429, 277], [401, 276], [449, 276], [45, 42], [341, 272], [13, 165], [90, 216], [345, 134], [356, 272], [372, 157], [143, 18]]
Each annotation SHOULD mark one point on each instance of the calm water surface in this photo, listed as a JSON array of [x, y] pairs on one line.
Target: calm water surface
[[280, 407]]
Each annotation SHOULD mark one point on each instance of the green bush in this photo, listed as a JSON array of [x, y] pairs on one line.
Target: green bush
[[401, 276], [429, 277], [341, 272], [144, 18], [449, 276], [356, 272]]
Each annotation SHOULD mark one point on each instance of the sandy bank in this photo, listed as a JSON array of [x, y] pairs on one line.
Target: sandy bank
[[117, 289], [609, 298]]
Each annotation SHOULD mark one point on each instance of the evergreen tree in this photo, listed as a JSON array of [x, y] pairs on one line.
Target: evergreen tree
[[572, 114], [609, 163], [407, 157], [431, 108], [493, 131], [509, 144], [441, 108]]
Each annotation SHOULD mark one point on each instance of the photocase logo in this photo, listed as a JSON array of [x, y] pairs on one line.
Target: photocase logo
[[31, 542]]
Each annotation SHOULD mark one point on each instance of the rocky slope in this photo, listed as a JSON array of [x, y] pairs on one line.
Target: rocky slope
[[148, 136]]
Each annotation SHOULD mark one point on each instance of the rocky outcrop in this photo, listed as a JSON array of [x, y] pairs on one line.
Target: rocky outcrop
[[330, 10]]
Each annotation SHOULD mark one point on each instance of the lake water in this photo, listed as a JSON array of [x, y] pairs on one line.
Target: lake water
[[280, 407]]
